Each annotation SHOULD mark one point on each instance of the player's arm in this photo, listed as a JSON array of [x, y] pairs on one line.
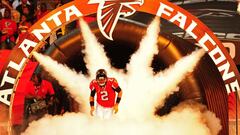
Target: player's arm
[[119, 96], [91, 100], [117, 89]]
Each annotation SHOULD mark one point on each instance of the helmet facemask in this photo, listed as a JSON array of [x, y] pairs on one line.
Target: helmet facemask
[[101, 80]]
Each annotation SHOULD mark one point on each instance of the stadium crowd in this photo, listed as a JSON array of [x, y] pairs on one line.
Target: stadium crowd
[[17, 16]]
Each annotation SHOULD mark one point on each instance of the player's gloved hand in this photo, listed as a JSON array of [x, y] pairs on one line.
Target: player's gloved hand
[[92, 110], [115, 108]]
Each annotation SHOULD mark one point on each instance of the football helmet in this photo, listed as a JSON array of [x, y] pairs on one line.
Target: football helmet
[[101, 77]]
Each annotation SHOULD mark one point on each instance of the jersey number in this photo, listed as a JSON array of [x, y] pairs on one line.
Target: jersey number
[[104, 95]]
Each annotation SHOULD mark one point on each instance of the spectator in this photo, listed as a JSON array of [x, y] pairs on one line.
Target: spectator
[[24, 25], [15, 16], [22, 9], [39, 98], [42, 11], [34, 3], [3, 6], [8, 28], [16, 3], [26, 12]]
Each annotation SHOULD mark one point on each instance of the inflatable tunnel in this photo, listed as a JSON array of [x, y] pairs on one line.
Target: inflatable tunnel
[[199, 85]]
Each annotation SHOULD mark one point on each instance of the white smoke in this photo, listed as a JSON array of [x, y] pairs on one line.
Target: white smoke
[[171, 77], [153, 90], [142, 92], [187, 120], [75, 83], [207, 117], [142, 59], [95, 56], [140, 73], [211, 121], [96, 60]]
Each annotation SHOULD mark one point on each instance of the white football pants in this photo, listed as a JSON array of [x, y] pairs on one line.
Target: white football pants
[[103, 112]]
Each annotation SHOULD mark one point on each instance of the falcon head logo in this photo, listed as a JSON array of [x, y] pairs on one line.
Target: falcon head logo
[[109, 12]]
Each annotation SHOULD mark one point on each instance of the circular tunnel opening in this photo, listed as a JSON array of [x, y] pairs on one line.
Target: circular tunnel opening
[[120, 50], [198, 86]]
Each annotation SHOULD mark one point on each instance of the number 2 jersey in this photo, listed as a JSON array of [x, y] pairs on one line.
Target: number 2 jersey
[[106, 94]]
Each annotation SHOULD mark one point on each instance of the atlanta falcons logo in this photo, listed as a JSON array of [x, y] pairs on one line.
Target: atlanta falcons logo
[[109, 12]]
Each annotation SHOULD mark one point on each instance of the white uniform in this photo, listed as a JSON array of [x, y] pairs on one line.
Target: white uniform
[[104, 112]]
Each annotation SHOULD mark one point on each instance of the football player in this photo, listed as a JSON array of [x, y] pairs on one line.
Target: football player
[[106, 89]]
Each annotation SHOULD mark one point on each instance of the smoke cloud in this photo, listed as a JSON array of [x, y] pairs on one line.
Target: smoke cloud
[[142, 92], [75, 83], [95, 58], [182, 121]]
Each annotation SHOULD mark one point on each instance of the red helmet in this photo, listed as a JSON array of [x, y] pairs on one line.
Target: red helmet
[[101, 76], [101, 73]]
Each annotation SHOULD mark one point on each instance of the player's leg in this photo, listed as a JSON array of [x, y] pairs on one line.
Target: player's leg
[[108, 112], [99, 111]]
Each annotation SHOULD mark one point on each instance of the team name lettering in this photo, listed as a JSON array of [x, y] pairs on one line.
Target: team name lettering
[[27, 45], [205, 41]]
